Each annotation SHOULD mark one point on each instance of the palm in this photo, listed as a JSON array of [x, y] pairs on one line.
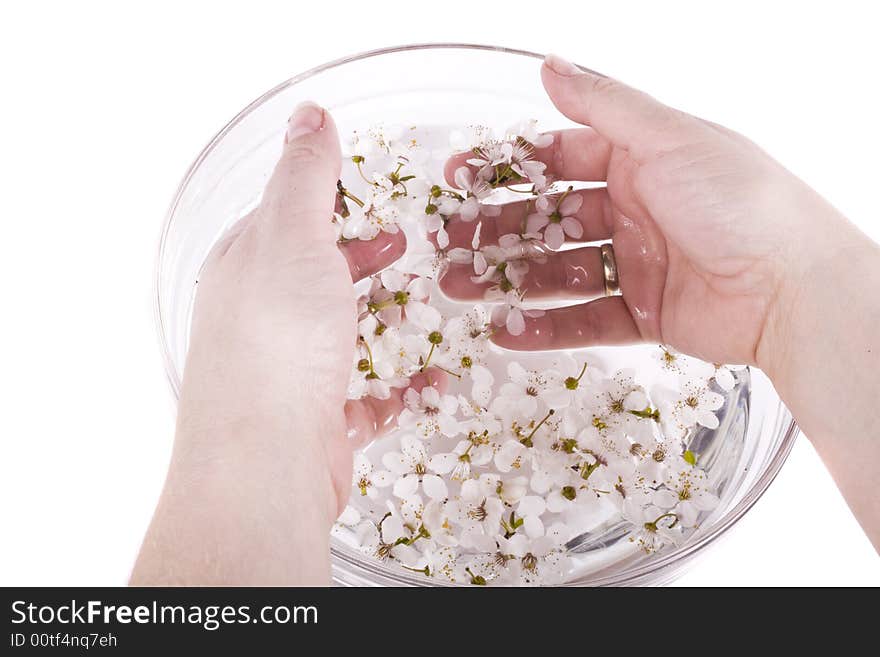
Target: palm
[[692, 272]]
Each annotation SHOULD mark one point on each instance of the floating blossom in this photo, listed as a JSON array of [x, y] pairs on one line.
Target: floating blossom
[[477, 191], [390, 539], [654, 527], [506, 162], [413, 468], [556, 218], [429, 412], [511, 315], [686, 494], [367, 480], [725, 375], [694, 404], [478, 511], [526, 392], [528, 131], [391, 292], [377, 363], [535, 561]]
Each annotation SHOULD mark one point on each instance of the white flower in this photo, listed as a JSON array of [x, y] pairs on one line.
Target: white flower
[[523, 246], [429, 412], [435, 222], [478, 511], [425, 317], [556, 217], [511, 314], [549, 470], [686, 494], [654, 527], [466, 341], [385, 541], [509, 455], [378, 214], [469, 137], [653, 461], [435, 518], [669, 359], [393, 292], [478, 419], [490, 155], [574, 377], [533, 561], [508, 161], [725, 376], [526, 391], [693, 404], [619, 407], [510, 490], [377, 366], [477, 190], [474, 451], [530, 509], [366, 479], [523, 163], [413, 468], [528, 130]]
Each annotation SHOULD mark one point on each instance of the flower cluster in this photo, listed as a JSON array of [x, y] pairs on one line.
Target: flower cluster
[[491, 476]]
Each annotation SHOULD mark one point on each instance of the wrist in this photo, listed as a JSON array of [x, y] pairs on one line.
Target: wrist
[[817, 319], [271, 445]]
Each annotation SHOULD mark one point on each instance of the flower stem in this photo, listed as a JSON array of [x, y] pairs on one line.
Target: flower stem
[[370, 358], [342, 191], [652, 526], [527, 441], [361, 171], [449, 372], [428, 359]]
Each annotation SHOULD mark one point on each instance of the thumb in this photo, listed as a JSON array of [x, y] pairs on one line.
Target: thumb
[[626, 117], [301, 193]]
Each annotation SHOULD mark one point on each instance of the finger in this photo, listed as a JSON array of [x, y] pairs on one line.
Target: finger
[[594, 216], [573, 274], [605, 321], [628, 118], [301, 193], [575, 154], [367, 257], [370, 418]]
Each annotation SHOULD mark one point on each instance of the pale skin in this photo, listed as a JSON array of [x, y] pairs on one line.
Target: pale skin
[[722, 253]]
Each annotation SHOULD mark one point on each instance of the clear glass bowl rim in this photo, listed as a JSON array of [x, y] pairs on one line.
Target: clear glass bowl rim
[[684, 553]]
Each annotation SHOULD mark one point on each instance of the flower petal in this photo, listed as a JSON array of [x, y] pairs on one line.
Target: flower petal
[[554, 236], [434, 487], [572, 227], [536, 222], [570, 204], [531, 505], [443, 463], [406, 486], [515, 324]]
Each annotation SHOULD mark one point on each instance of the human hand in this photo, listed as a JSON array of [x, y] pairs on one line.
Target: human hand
[[274, 323], [710, 234]]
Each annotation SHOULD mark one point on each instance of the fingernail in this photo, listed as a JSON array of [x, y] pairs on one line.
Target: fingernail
[[308, 117], [561, 66]]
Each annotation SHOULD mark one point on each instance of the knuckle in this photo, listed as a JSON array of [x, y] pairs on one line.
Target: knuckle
[[604, 86], [303, 151]]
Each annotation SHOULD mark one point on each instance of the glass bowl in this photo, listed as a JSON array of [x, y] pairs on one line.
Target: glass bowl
[[442, 84]]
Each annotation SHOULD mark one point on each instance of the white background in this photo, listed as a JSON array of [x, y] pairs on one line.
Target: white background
[[103, 108]]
